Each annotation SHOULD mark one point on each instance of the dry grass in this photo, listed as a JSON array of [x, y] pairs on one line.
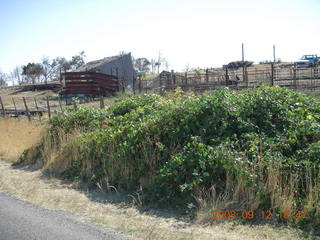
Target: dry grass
[[53, 159], [53, 194], [17, 135], [282, 196]]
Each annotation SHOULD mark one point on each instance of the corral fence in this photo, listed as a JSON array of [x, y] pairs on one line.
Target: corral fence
[[76, 87], [290, 76], [34, 108]]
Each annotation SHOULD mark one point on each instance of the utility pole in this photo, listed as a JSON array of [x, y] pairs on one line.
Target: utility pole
[[242, 53], [243, 68], [274, 53]]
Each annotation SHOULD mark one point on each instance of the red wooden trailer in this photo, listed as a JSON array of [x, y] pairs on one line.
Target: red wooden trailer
[[88, 83]]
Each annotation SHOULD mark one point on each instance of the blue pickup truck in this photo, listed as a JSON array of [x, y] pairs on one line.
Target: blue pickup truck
[[308, 61]]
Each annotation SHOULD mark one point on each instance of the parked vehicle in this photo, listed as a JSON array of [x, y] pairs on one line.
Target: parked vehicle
[[238, 64], [308, 61]]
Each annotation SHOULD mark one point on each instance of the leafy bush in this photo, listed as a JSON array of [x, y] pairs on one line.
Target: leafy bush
[[197, 165], [259, 145]]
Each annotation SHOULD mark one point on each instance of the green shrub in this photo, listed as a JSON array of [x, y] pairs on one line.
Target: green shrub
[[258, 145]]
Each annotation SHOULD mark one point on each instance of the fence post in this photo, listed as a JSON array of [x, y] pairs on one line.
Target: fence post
[[74, 104], [207, 76], [227, 77], [2, 107], [186, 78], [27, 109], [15, 107], [134, 85], [140, 84], [36, 104], [272, 74], [60, 104], [101, 102], [295, 75], [160, 82], [246, 76], [172, 76], [243, 75], [315, 75], [48, 106]]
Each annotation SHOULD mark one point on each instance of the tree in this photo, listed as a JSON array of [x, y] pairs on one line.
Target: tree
[[32, 71], [166, 63], [77, 61], [61, 64], [48, 69], [158, 62], [16, 74], [161, 61], [153, 65], [64, 64], [186, 68], [142, 64], [3, 79], [11, 78]]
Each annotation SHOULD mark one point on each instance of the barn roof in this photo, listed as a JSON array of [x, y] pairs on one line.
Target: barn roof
[[94, 64]]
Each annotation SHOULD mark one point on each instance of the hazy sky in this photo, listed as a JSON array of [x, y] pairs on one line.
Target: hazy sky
[[203, 33]]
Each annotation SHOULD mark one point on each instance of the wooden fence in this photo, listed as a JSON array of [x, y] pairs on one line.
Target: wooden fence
[[268, 74], [35, 108], [258, 75]]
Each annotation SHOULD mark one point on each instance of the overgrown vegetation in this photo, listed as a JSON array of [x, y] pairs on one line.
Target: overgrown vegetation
[[255, 149]]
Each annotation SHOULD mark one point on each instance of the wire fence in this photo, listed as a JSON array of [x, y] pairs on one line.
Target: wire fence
[[289, 76], [293, 77], [35, 108]]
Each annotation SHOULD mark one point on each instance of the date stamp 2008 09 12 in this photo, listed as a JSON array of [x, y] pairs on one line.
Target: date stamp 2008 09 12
[[262, 214]]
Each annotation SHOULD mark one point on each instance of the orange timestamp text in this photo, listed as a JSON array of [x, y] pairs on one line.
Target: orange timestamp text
[[257, 214]]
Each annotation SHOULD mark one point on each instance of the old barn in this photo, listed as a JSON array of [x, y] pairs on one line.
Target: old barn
[[98, 77]]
